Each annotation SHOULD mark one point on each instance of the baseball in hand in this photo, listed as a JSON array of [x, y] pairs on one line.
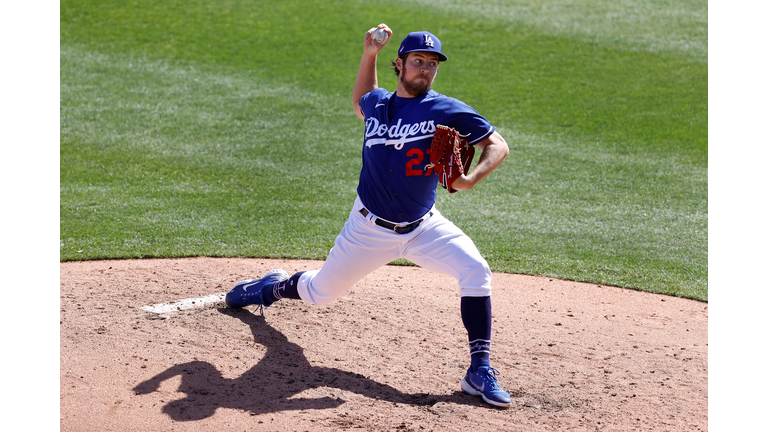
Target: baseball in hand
[[379, 36]]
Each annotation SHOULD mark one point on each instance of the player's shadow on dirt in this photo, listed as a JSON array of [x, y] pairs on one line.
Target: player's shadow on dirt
[[270, 385]]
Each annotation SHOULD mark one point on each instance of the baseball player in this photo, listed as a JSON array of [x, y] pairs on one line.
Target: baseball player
[[394, 214]]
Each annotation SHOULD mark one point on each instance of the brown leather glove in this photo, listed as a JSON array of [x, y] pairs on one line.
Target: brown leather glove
[[450, 155]]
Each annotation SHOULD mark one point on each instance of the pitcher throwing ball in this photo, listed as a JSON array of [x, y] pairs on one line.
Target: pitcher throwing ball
[[394, 214]]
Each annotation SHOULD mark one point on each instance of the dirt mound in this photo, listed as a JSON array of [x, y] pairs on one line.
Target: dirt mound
[[388, 356]]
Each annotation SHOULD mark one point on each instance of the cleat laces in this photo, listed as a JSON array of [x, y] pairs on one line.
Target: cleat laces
[[491, 378]]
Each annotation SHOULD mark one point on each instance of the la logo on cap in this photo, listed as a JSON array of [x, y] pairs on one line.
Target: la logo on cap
[[421, 41]]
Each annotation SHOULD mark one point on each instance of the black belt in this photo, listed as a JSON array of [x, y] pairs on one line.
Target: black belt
[[400, 229]]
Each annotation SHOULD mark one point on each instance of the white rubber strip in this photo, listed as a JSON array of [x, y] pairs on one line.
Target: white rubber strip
[[210, 301]]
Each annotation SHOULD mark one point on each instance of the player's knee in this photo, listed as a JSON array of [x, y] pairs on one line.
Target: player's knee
[[477, 281], [318, 288]]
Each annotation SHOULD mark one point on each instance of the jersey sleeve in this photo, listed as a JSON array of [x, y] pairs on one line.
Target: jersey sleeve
[[469, 122], [369, 100]]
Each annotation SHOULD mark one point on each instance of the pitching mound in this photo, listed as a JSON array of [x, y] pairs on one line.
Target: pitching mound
[[389, 355]]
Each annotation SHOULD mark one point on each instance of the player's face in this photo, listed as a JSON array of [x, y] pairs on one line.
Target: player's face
[[418, 72]]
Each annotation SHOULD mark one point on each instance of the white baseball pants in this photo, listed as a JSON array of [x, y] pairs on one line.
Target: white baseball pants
[[362, 247]]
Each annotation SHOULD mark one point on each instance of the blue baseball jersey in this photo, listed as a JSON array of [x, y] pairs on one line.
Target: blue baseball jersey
[[393, 182]]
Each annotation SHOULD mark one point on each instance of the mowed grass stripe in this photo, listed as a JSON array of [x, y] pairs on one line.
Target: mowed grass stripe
[[160, 160], [678, 28], [541, 82]]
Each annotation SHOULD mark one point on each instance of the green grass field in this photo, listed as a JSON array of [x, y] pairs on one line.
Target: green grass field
[[226, 129]]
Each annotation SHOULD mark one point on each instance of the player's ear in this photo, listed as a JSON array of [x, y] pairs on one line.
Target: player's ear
[[399, 64]]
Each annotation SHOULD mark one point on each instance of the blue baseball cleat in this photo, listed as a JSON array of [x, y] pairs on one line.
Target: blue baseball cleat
[[482, 382], [251, 291]]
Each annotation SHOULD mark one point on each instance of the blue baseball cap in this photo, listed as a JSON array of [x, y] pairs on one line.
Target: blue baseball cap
[[421, 41]]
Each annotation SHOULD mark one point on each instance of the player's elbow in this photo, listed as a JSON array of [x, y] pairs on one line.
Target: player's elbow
[[500, 146], [504, 150]]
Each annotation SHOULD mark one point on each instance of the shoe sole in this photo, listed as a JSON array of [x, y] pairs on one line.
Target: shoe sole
[[468, 389], [283, 274]]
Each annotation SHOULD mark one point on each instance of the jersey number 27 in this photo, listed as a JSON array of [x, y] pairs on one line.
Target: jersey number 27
[[418, 157]]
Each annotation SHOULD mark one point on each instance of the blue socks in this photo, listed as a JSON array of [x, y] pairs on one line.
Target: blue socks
[[476, 316], [288, 288]]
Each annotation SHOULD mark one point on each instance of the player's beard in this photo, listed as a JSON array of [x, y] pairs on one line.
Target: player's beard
[[416, 87]]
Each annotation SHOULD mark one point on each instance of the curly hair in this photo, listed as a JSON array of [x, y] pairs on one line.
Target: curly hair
[[393, 64]]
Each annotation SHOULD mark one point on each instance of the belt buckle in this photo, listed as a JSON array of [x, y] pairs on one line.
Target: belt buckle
[[398, 229], [408, 228]]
